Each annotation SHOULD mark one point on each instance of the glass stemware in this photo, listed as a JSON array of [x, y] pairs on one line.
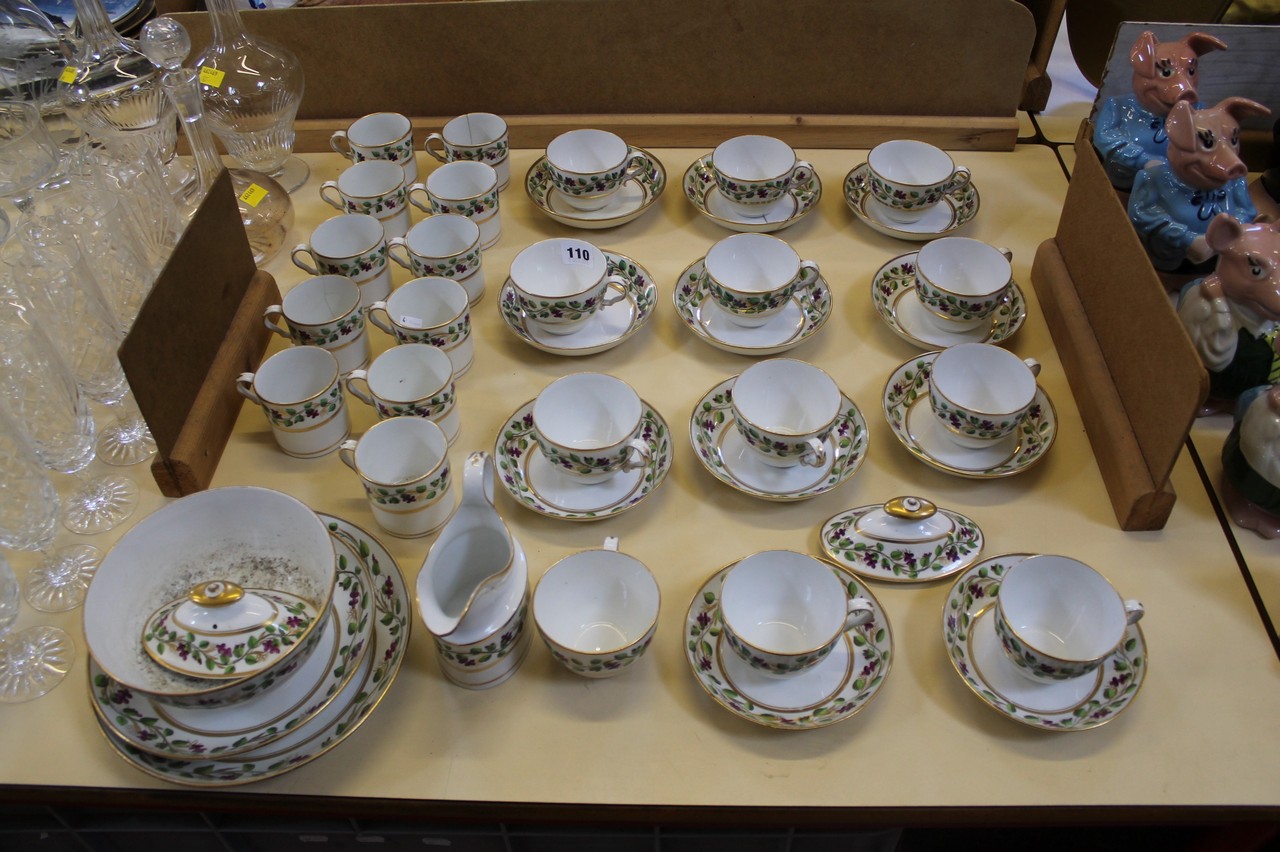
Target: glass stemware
[[34, 660], [28, 154]]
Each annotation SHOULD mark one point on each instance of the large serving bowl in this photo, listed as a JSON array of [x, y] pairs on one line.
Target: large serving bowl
[[253, 537]]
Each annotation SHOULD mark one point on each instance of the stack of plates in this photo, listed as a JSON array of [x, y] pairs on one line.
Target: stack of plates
[[125, 15], [363, 644]]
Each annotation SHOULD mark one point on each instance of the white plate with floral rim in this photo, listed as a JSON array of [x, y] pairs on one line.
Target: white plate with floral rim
[[724, 452], [800, 319], [974, 649], [877, 558], [893, 292], [700, 188], [906, 407], [833, 690], [632, 199], [195, 733], [956, 209], [359, 697], [603, 330], [538, 485]]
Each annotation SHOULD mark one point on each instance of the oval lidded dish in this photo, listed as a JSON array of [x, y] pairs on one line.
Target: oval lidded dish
[[905, 540]]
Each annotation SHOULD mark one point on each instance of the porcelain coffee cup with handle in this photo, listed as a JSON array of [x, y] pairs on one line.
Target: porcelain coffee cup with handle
[[753, 276], [587, 425], [478, 136], [588, 166], [962, 281], [981, 393], [909, 177], [559, 283], [354, 245], [324, 311], [784, 410], [403, 464], [379, 136]]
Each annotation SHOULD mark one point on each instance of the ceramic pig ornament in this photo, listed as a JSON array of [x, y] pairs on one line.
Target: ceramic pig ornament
[[1233, 315], [1251, 463], [1128, 130], [1173, 202]]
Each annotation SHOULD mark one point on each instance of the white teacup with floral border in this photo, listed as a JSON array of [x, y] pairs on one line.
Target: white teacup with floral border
[[300, 393], [466, 188], [597, 610], [324, 311], [374, 187], [588, 166], [783, 612], [478, 136], [981, 393], [379, 136], [445, 245], [403, 464], [434, 311], [909, 177], [752, 172], [753, 276], [413, 380], [785, 410], [588, 426], [559, 283], [962, 281], [1057, 618], [354, 245]]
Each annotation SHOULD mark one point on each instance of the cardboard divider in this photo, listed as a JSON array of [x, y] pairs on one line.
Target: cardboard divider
[[200, 327], [1137, 380]]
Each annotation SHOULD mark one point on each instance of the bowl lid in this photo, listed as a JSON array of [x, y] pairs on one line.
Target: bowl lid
[[905, 520], [220, 630]]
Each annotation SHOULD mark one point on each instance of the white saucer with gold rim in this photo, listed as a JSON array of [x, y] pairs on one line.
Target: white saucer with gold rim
[[893, 293], [700, 188], [957, 209]]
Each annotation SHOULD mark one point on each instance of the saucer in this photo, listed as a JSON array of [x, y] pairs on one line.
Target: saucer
[[893, 292], [700, 188], [536, 483], [833, 690], [195, 732], [798, 320], [1070, 705], [605, 329], [846, 543], [955, 210], [340, 718], [906, 405], [632, 199], [722, 450]]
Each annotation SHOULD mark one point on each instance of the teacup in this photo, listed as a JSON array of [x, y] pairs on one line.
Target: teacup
[[588, 426], [588, 166], [962, 281], [597, 610], [324, 311], [479, 136], [413, 380], [754, 171], [445, 245], [1057, 618], [981, 393], [354, 245], [753, 276], [375, 187], [559, 283], [433, 311], [299, 391], [785, 410], [403, 464], [783, 612], [466, 188], [909, 177], [379, 136]]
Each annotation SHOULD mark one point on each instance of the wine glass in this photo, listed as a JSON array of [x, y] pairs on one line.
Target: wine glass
[[33, 660], [28, 154]]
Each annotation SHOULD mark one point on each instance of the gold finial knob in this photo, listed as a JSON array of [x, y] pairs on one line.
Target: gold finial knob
[[910, 508], [216, 593]]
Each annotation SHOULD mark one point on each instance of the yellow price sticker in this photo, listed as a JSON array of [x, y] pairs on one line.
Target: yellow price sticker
[[212, 76], [68, 75], [254, 195]]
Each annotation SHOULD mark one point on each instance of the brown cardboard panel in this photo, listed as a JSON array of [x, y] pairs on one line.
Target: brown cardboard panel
[[634, 57]]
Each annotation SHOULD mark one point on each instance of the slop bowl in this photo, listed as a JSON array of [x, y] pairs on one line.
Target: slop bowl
[[253, 537]]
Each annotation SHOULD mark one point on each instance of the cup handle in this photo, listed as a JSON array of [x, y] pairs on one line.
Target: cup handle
[[442, 155], [340, 204], [618, 284], [303, 249], [809, 273], [638, 163], [380, 305], [959, 180], [348, 384], [801, 172], [1133, 611], [244, 384], [420, 187], [1033, 365], [398, 242], [270, 319], [816, 455], [610, 543], [860, 611], [1007, 252], [347, 453], [641, 449], [341, 144]]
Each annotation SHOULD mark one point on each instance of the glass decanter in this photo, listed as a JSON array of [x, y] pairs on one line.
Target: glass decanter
[[251, 89], [265, 208]]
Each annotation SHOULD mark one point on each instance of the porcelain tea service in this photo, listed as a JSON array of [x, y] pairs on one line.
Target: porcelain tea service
[[753, 184], [403, 463], [588, 166], [961, 282], [431, 311], [375, 188], [558, 284], [410, 380], [909, 178], [785, 410], [981, 393], [477, 136], [354, 245], [446, 245], [463, 188], [379, 136], [753, 277], [325, 311], [300, 392]]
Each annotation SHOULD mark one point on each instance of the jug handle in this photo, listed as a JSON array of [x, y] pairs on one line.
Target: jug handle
[[477, 479]]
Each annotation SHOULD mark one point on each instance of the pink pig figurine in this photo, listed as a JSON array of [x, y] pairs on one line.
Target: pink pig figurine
[[1233, 315], [1172, 202], [1251, 463], [1128, 130]]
